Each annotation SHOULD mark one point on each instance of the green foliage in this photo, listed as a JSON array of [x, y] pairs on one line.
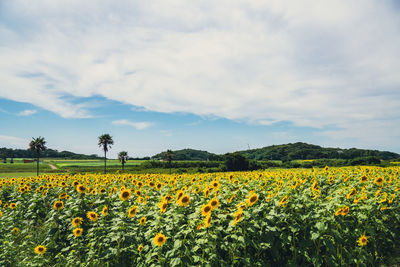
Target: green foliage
[[236, 162], [303, 151], [189, 154]]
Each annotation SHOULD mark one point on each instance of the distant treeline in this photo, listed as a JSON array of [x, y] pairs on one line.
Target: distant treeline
[[48, 153], [304, 151], [285, 153]]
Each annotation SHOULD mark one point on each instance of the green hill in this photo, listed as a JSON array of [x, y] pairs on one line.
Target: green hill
[[303, 151], [48, 153], [189, 154]]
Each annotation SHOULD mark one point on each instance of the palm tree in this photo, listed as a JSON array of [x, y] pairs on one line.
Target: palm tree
[[168, 156], [123, 157], [105, 141], [38, 145]]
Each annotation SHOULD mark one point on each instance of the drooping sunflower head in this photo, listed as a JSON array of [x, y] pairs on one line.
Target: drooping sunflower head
[[91, 215], [179, 195], [62, 195], [159, 240], [142, 220], [207, 221], [104, 211], [40, 249], [163, 206], [58, 205], [132, 211], [140, 248], [78, 232], [15, 230], [125, 194], [345, 210], [351, 193], [77, 221]]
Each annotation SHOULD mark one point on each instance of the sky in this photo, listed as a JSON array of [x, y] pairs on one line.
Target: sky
[[219, 76]]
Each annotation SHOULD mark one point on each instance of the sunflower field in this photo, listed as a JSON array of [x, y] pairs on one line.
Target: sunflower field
[[277, 217]]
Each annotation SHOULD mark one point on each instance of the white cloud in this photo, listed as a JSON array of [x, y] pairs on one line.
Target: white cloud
[[27, 112], [313, 63], [138, 125], [12, 141]]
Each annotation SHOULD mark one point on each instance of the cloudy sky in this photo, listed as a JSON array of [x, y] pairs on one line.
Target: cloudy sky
[[212, 75]]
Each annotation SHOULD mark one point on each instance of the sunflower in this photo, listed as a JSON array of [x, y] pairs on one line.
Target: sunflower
[[15, 230], [163, 206], [206, 210], [159, 240], [338, 212], [201, 225], [363, 240], [345, 210], [379, 181], [252, 199], [132, 211], [215, 184], [138, 193], [179, 194], [104, 211], [40, 249], [158, 186], [58, 205], [13, 205], [351, 193], [125, 194], [140, 248], [78, 232], [81, 188], [363, 179], [62, 195], [214, 203], [77, 221], [142, 220], [93, 216], [207, 221], [1, 213], [283, 201], [238, 216], [184, 201]]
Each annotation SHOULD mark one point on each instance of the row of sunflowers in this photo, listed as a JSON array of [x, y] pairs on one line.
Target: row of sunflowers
[[337, 216]]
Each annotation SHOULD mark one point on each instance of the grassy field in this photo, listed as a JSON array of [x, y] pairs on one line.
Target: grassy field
[[23, 167], [90, 163]]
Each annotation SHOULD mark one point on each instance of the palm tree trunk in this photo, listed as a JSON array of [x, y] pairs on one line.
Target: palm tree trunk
[[105, 160], [37, 163]]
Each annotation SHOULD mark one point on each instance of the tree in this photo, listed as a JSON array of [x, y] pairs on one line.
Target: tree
[[38, 145], [236, 162], [123, 157], [105, 142], [168, 156]]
